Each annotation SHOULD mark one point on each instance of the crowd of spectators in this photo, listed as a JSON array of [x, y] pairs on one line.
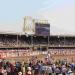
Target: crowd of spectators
[[61, 41], [13, 41], [22, 40], [37, 67]]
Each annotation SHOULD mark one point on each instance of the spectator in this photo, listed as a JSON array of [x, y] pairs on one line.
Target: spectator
[[4, 71]]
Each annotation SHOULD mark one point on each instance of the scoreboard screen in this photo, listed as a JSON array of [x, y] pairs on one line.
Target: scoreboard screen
[[42, 29]]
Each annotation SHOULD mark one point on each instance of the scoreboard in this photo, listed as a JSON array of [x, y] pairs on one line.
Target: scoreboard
[[42, 29]]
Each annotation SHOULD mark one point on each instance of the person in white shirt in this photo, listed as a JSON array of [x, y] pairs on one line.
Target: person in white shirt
[[49, 70], [4, 71], [23, 68], [19, 73]]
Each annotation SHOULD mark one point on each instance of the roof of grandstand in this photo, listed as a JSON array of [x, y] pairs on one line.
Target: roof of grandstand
[[22, 33]]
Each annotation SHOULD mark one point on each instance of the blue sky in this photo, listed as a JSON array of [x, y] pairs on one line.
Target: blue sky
[[12, 13], [11, 10]]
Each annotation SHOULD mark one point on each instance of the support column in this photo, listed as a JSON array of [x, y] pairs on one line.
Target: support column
[[48, 43], [17, 45], [32, 43]]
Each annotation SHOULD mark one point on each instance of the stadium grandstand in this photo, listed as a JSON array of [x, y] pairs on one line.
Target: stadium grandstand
[[36, 40], [36, 51]]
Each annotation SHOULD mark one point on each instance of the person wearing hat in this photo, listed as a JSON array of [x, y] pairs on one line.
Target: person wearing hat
[[29, 71]]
